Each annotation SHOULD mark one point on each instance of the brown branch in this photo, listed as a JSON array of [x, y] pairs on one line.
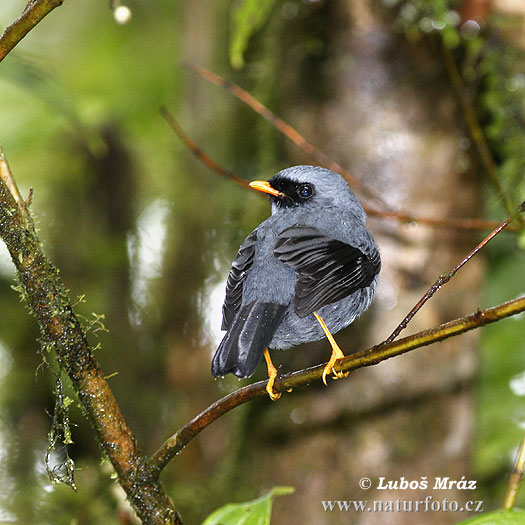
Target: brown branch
[[288, 131], [369, 357], [201, 155], [61, 330], [450, 223], [515, 479], [33, 13], [445, 277], [318, 155]]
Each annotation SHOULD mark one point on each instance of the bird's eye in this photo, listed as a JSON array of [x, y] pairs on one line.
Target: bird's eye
[[305, 191]]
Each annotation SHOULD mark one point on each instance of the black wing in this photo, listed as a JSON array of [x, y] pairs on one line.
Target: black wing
[[240, 266], [327, 270], [250, 328]]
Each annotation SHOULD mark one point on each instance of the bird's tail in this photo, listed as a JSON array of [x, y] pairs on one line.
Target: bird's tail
[[243, 346]]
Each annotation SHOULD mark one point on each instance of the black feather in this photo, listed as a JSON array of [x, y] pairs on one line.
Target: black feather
[[240, 266], [327, 270]]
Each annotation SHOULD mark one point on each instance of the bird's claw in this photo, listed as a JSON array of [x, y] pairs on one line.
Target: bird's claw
[[274, 396], [339, 375], [329, 370], [337, 354], [272, 374]]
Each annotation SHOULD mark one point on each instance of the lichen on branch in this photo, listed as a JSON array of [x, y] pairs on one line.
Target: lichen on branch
[[62, 332]]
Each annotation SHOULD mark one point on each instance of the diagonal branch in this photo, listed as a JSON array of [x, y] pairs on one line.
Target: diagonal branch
[[61, 331], [450, 223], [386, 211], [33, 13], [369, 357], [289, 131], [445, 277], [202, 156]]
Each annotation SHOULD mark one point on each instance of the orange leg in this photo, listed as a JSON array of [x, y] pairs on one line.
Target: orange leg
[[272, 374], [337, 353]]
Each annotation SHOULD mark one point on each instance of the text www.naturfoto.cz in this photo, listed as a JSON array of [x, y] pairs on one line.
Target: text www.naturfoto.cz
[[429, 504]]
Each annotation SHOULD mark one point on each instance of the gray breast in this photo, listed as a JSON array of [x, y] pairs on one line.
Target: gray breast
[[295, 330]]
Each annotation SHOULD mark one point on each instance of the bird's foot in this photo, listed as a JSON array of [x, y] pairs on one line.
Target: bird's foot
[[272, 374], [337, 353], [329, 368], [274, 396]]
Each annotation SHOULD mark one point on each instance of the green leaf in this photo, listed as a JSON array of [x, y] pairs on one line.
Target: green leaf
[[255, 512], [499, 517], [247, 19]]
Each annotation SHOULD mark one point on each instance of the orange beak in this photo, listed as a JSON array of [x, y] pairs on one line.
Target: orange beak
[[264, 186]]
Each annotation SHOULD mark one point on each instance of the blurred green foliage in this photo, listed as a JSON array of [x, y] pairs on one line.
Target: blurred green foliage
[[80, 123], [420, 18], [500, 408], [516, 517], [247, 18], [492, 67], [502, 107], [256, 512], [127, 214]]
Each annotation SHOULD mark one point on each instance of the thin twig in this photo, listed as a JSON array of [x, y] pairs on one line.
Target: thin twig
[[369, 357], [445, 277], [201, 155], [289, 131], [515, 479], [474, 128], [450, 223], [323, 158], [33, 13]]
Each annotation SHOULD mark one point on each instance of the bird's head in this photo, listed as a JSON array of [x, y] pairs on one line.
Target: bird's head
[[309, 186]]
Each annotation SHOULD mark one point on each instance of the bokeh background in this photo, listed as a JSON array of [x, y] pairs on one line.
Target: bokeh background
[[144, 234]]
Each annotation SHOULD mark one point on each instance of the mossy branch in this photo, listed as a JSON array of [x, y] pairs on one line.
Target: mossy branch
[[62, 331], [33, 13]]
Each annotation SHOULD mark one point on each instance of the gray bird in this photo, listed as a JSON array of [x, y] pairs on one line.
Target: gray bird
[[307, 271]]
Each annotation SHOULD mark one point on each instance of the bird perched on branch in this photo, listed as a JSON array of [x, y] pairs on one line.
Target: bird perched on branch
[[307, 271]]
